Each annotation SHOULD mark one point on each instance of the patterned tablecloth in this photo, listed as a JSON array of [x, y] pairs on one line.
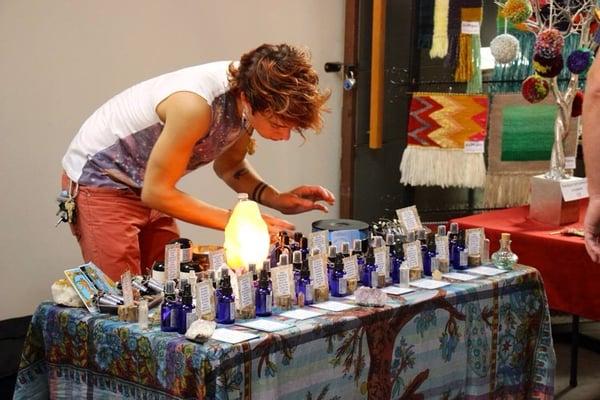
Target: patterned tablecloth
[[483, 339]]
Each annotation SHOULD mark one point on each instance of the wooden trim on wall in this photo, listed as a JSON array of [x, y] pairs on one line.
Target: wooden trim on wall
[[377, 74], [349, 112]]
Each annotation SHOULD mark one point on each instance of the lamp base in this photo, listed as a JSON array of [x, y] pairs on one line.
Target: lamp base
[[547, 203]]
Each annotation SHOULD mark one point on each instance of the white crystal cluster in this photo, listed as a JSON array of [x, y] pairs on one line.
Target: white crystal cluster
[[64, 294], [372, 297], [201, 330]]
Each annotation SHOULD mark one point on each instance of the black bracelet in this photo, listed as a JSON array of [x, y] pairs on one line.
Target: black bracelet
[[260, 193], [257, 190]]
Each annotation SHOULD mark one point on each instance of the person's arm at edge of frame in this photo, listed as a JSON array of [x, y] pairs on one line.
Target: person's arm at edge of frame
[[187, 119], [591, 154]]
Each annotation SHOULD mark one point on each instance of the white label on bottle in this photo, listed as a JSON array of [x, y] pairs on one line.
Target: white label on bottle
[[474, 241], [232, 310], [381, 259], [463, 259], [189, 318], [570, 162], [245, 289], [204, 304], [269, 302], [574, 188], [309, 292], [374, 279], [283, 283], [342, 286], [441, 247], [350, 267], [173, 317], [319, 240], [159, 276], [317, 271], [470, 27], [474, 146], [412, 253], [172, 255], [216, 259], [127, 290], [186, 254]]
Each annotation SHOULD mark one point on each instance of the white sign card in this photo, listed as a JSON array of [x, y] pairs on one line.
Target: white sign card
[[265, 325], [474, 240], [574, 188], [486, 271], [428, 284], [318, 275], [245, 290], [216, 259], [319, 240], [204, 293], [474, 147], [395, 290], [409, 219], [442, 247], [300, 314], [127, 288], [351, 267], [412, 255], [570, 162], [172, 260], [232, 336], [334, 306], [381, 259], [470, 27], [282, 278], [459, 276]]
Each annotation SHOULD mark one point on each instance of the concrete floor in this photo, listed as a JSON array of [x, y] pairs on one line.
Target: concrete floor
[[588, 377]]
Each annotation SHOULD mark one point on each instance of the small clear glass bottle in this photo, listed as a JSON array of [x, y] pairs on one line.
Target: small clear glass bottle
[[504, 258]]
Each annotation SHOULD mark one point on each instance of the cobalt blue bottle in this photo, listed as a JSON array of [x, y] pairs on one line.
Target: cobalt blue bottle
[[304, 285], [264, 300], [369, 275], [187, 313], [395, 258], [338, 282], [428, 255], [225, 300], [304, 247], [459, 256], [331, 256], [297, 266], [453, 254], [169, 309], [360, 259]]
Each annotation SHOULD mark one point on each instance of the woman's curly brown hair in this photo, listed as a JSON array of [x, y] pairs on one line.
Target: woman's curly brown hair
[[279, 80]]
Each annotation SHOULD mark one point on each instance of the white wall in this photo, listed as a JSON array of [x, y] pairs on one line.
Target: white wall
[[61, 59]]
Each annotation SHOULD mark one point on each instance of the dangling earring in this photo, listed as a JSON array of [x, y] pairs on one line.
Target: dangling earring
[[251, 146]]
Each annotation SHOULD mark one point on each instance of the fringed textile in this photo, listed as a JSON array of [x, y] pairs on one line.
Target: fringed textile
[[439, 44], [439, 126], [464, 67]]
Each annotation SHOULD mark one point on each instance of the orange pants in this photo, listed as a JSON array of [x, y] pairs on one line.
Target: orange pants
[[116, 231]]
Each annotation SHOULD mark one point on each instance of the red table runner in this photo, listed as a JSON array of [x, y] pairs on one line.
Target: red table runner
[[571, 279]]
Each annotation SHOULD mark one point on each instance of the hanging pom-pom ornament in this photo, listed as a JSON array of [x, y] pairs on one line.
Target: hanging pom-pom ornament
[[504, 48], [535, 89], [549, 43], [579, 61], [547, 67], [517, 11], [577, 107]]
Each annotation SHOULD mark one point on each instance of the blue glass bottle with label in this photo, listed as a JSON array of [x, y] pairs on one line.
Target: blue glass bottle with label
[[187, 313], [396, 257], [339, 286], [264, 299], [304, 286], [428, 255], [169, 309], [225, 300], [331, 257], [460, 256], [357, 245], [369, 275]]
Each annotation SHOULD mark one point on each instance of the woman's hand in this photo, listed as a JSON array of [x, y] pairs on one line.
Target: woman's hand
[[302, 199], [591, 227]]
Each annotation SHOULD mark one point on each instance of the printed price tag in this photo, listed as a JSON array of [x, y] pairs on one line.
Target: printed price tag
[[127, 289], [204, 291], [474, 241], [245, 290], [470, 27], [441, 247], [351, 267], [570, 163], [574, 189], [317, 272], [172, 254], [474, 146], [216, 259], [318, 240], [412, 254]]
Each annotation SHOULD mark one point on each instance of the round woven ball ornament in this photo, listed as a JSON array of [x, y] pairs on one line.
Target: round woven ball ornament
[[504, 48], [517, 11], [547, 68], [549, 43], [535, 89], [577, 107], [580, 60]]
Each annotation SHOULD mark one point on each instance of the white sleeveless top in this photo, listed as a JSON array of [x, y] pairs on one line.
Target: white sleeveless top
[[113, 146]]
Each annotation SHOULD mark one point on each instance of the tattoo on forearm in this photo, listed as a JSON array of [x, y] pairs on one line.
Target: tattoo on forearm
[[239, 173], [257, 192]]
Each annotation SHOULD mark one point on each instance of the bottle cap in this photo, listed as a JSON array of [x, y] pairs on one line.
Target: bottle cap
[[297, 237], [421, 235], [304, 243], [252, 268], [296, 257], [169, 287], [242, 196], [158, 266], [441, 230], [284, 259], [389, 239], [357, 245], [186, 296], [345, 248], [331, 251], [184, 243], [410, 237], [266, 266], [454, 227], [505, 237]]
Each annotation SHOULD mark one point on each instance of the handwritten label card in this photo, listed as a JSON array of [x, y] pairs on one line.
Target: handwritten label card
[[474, 240], [172, 255], [381, 259], [319, 240], [317, 272], [470, 27], [216, 259], [409, 219], [245, 290], [204, 292], [281, 280], [412, 255], [441, 247], [351, 267], [127, 289], [574, 188], [474, 146]]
